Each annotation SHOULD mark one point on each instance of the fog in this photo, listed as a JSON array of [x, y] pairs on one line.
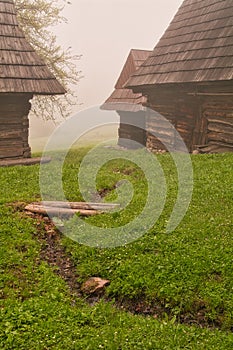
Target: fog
[[103, 32]]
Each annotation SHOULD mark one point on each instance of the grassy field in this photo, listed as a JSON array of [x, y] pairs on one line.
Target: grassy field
[[97, 135], [166, 291]]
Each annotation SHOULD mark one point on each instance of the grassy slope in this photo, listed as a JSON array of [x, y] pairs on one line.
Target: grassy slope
[[187, 269], [190, 268]]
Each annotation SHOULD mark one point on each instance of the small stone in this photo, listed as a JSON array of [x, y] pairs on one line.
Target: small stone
[[94, 285]]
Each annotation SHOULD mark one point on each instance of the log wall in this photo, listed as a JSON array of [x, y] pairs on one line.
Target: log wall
[[203, 116], [217, 121], [135, 132], [180, 112], [14, 126]]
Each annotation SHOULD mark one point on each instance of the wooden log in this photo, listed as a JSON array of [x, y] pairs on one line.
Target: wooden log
[[22, 161], [168, 139], [17, 142], [222, 144], [184, 123], [132, 134], [10, 134], [6, 152], [217, 127], [215, 148], [223, 121], [165, 134], [55, 211], [223, 137], [156, 123], [4, 126], [79, 205]]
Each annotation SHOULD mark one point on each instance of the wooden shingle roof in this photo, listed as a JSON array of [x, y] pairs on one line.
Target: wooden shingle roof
[[21, 68], [197, 47], [125, 99]]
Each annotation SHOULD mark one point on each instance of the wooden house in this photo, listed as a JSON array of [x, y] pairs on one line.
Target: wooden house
[[129, 105], [22, 74], [188, 78]]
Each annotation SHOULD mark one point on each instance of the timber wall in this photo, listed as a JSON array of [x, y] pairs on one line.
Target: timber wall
[[217, 120], [134, 131], [181, 113], [204, 122], [14, 126]]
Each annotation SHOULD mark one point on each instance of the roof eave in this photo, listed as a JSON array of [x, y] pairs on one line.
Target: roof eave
[[182, 86]]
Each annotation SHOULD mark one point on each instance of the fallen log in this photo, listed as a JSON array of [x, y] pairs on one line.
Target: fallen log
[[79, 205], [69, 209], [56, 211]]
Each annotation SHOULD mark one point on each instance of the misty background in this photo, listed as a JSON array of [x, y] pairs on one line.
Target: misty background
[[103, 32]]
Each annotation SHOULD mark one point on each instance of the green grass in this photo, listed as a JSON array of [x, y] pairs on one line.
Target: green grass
[[186, 272]]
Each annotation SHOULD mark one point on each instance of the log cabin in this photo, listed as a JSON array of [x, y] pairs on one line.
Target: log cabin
[[23, 74], [188, 78], [129, 105]]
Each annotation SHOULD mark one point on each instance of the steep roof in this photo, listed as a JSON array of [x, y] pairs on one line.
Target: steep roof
[[21, 68], [125, 99], [197, 47]]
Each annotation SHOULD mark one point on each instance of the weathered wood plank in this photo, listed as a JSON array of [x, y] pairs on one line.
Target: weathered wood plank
[[9, 153], [223, 137], [221, 128], [224, 121], [79, 205], [57, 211], [23, 161]]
